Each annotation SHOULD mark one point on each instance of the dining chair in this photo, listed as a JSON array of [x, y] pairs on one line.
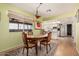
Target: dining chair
[[46, 42], [28, 43], [30, 32]]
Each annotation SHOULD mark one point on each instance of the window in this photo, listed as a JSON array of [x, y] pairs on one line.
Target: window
[[15, 26], [21, 26], [29, 27], [25, 27]]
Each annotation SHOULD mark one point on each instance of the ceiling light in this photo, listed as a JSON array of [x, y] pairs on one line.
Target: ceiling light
[[36, 15]]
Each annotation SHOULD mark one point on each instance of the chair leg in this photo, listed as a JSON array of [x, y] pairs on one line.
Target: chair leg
[[36, 48], [35, 51], [47, 49], [40, 46], [17, 52], [27, 51], [23, 50], [50, 46]]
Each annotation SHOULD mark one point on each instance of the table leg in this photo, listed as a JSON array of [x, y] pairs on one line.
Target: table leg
[[36, 50], [37, 44]]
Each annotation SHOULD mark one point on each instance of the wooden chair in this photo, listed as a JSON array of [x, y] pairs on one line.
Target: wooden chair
[[46, 42], [30, 32], [28, 43]]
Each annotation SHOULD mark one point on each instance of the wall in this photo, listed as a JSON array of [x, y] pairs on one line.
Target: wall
[[9, 39], [77, 36]]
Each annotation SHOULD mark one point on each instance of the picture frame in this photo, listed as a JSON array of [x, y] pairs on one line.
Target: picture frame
[[38, 25]]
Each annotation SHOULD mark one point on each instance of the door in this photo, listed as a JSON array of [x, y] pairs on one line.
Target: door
[[69, 29]]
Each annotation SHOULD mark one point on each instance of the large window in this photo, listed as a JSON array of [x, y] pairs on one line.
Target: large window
[[19, 26], [13, 26], [29, 27], [26, 26]]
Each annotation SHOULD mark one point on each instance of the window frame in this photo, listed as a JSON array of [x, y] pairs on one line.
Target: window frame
[[19, 30]]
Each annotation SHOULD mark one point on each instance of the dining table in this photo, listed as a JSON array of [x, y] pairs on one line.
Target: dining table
[[38, 39]]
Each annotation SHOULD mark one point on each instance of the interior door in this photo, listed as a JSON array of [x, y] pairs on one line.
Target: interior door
[[69, 29]]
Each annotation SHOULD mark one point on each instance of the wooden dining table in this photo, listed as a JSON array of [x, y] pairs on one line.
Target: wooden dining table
[[38, 39]]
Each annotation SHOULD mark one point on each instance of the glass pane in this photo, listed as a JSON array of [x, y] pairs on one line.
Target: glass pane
[[25, 26], [20, 26], [29, 26], [13, 26]]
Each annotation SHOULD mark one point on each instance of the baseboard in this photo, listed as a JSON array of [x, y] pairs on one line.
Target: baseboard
[[10, 49]]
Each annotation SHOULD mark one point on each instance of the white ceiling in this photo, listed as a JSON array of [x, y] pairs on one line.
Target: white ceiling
[[56, 8]]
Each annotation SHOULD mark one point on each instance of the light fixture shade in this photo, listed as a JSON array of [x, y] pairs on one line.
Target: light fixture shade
[[37, 11], [37, 16]]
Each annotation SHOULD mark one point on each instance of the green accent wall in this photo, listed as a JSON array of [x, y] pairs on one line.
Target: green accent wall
[[9, 39]]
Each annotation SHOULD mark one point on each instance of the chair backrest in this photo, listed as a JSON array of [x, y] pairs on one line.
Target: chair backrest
[[30, 32], [24, 37], [26, 40], [49, 36], [43, 32]]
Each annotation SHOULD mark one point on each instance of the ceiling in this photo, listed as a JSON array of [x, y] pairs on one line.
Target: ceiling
[[44, 9]]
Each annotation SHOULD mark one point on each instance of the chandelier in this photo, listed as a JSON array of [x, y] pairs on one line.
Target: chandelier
[[36, 15]]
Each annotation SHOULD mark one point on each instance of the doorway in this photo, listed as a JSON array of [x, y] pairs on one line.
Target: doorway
[[69, 29]]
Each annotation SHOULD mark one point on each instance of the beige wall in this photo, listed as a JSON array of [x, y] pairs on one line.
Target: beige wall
[[77, 36]]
